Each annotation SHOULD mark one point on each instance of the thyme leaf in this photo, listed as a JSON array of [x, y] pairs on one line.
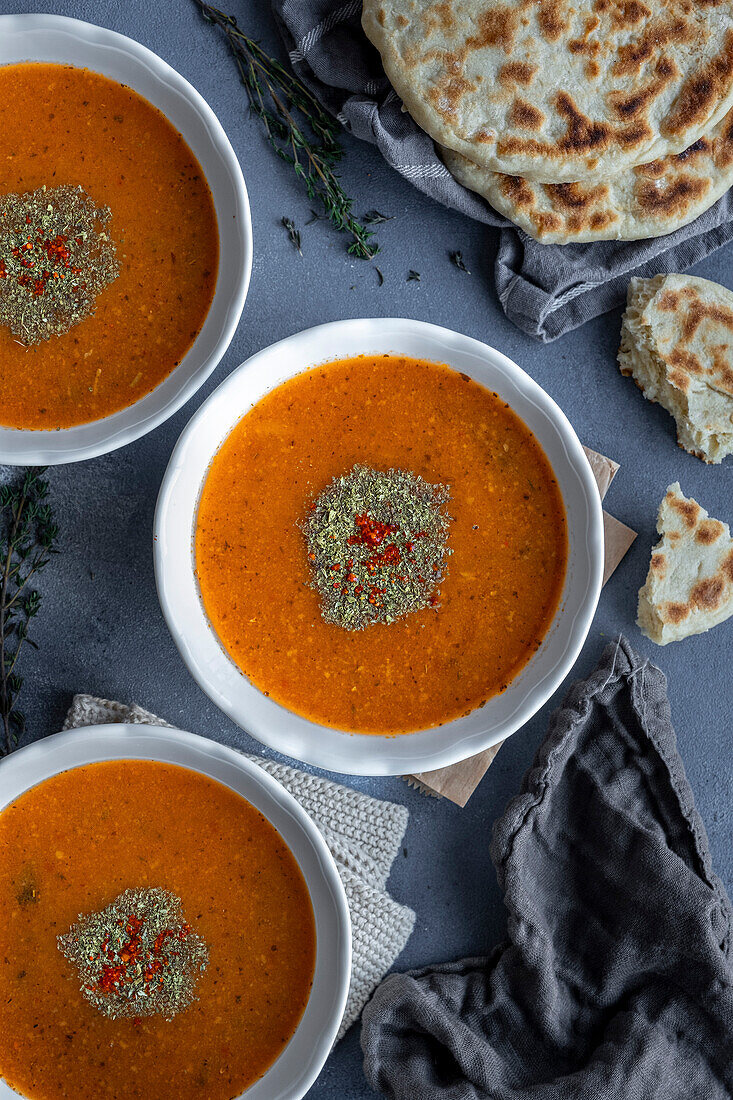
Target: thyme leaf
[[29, 539], [457, 259], [298, 128], [373, 217], [413, 277], [293, 233]]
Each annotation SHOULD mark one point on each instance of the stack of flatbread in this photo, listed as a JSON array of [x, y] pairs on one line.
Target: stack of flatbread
[[580, 120]]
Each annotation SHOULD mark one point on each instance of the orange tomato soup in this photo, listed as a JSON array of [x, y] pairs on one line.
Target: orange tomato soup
[[70, 846], [63, 125], [508, 538]]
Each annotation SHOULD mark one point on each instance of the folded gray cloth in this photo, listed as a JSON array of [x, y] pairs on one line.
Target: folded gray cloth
[[616, 980], [546, 290]]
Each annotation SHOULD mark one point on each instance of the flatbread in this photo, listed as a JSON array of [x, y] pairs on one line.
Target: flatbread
[[677, 345], [555, 90], [689, 587], [647, 201]]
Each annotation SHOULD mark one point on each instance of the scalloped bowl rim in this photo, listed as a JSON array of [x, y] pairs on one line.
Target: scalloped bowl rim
[[57, 38], [298, 1065], [211, 666]]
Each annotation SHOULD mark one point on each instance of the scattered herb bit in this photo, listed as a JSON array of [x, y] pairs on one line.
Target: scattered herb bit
[[315, 217], [28, 893], [293, 233], [298, 128], [413, 277], [457, 259], [380, 277], [377, 544], [138, 956], [373, 217], [29, 537], [55, 259]]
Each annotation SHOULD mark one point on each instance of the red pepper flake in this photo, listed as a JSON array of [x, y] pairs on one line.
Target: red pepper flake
[[370, 531], [389, 556]]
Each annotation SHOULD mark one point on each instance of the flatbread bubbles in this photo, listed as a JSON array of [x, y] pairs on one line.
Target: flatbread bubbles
[[558, 91], [646, 201]]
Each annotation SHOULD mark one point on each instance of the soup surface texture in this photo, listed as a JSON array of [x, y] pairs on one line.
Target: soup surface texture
[[508, 538], [64, 125], [71, 846]]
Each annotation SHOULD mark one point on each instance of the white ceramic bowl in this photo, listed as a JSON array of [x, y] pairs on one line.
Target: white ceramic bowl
[[206, 658], [300, 1062], [72, 42]]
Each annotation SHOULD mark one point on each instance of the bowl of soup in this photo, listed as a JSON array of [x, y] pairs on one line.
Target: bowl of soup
[[379, 546], [125, 240], [164, 863]]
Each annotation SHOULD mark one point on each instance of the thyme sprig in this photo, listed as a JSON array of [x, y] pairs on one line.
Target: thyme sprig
[[29, 539], [298, 128]]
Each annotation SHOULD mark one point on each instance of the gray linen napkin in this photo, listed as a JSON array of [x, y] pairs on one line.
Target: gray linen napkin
[[546, 290], [616, 979]]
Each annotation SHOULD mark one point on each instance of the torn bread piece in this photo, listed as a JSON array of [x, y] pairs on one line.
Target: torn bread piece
[[677, 345], [689, 586]]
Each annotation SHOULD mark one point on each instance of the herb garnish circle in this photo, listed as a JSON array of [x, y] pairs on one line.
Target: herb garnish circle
[[55, 259], [377, 544], [138, 956]]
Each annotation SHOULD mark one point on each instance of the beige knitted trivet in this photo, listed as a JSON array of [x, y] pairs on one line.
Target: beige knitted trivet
[[363, 834]]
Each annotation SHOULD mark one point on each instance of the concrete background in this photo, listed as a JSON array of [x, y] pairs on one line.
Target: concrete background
[[101, 629]]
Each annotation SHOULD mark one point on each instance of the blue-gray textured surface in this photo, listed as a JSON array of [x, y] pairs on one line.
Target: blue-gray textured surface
[[101, 629]]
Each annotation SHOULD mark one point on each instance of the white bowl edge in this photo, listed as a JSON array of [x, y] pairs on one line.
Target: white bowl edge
[[298, 1065], [285, 731], [54, 38]]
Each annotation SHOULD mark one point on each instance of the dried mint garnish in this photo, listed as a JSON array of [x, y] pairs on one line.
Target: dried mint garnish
[[377, 544], [137, 956], [56, 257]]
